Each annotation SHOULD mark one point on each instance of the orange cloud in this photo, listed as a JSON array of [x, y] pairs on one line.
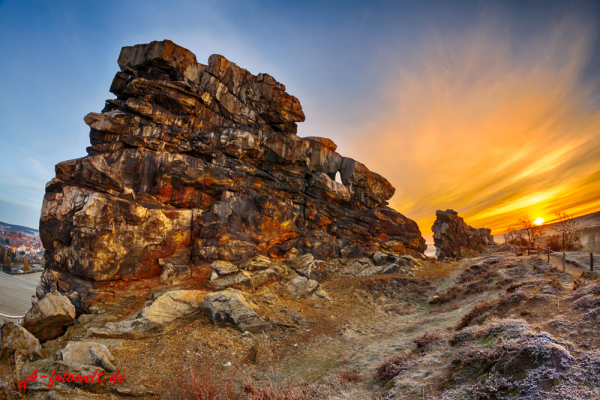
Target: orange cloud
[[491, 127]]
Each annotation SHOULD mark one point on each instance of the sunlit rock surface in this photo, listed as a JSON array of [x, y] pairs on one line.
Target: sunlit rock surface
[[195, 163]]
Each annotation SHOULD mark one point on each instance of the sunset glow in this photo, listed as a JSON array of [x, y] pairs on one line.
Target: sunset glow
[[492, 132], [539, 221]]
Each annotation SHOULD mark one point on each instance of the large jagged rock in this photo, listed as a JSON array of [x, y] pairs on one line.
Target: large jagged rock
[[195, 163], [49, 316], [451, 234], [15, 339]]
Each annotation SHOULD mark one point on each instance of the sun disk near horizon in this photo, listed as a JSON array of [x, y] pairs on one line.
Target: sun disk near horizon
[[539, 221]]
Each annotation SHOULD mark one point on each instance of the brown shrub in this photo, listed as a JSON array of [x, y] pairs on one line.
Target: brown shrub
[[451, 294], [428, 338], [476, 312], [352, 376], [208, 381], [503, 282], [528, 282], [555, 283], [554, 242], [394, 366]]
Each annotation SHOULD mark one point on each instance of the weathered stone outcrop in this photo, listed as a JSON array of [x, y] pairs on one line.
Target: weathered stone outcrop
[[193, 164], [451, 234]]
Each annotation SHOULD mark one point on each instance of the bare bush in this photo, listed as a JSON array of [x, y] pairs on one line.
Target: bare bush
[[554, 242], [568, 231]]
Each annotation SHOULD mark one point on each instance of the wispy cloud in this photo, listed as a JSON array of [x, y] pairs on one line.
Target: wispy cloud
[[492, 125]]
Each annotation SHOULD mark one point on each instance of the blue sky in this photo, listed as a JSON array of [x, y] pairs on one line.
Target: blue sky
[[344, 60]]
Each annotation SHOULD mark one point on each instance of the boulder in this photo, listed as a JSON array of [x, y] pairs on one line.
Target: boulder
[[451, 234], [156, 318], [194, 164], [229, 306], [301, 286], [15, 339], [88, 353], [49, 317]]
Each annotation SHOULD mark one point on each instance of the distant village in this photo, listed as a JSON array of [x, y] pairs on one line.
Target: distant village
[[20, 252]]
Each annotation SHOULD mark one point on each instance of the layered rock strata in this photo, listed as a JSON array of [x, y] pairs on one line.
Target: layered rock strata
[[195, 163], [451, 235]]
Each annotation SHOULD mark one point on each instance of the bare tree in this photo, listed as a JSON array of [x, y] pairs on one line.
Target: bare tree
[[510, 235], [568, 230], [532, 231]]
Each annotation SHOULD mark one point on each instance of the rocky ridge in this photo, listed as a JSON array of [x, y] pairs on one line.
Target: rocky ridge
[[193, 164], [452, 235]]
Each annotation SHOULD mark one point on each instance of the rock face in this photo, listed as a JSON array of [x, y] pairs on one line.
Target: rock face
[[49, 316], [451, 234], [16, 339], [195, 163]]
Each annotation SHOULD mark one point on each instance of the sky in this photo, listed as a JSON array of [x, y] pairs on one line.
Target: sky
[[488, 108]]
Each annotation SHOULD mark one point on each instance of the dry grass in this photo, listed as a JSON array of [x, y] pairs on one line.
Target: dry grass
[[435, 270]]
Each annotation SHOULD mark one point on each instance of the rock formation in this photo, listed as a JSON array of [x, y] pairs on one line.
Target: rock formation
[[451, 234], [195, 163]]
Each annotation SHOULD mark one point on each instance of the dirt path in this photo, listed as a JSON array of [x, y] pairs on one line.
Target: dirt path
[[367, 341], [572, 270]]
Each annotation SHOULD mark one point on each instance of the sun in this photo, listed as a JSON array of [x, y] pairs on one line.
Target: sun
[[539, 221]]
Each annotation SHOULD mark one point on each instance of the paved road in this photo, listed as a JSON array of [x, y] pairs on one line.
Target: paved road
[[16, 292]]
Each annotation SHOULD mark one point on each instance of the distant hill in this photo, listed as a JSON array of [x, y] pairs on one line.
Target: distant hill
[[24, 229], [584, 221]]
